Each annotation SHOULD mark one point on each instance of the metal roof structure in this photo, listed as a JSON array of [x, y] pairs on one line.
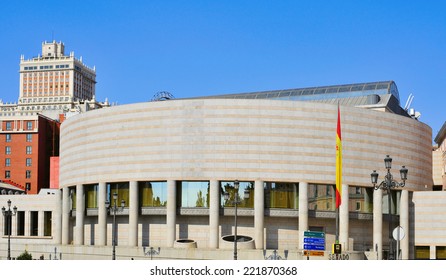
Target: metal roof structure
[[320, 93], [374, 95]]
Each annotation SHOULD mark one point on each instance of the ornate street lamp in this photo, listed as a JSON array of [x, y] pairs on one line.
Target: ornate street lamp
[[235, 200], [115, 210], [151, 252], [388, 184], [8, 217]]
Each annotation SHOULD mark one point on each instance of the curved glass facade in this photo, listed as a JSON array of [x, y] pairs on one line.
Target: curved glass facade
[[281, 195], [321, 197], [91, 195], [122, 189], [243, 186], [153, 194], [193, 194]]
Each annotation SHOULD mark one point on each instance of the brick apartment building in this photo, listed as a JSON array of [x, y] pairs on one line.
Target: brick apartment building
[[26, 145]]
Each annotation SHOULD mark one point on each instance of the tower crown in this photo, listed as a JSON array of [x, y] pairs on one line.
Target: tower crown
[[53, 49]]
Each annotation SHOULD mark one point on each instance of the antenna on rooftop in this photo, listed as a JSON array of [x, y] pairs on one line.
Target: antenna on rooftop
[[412, 113], [408, 102]]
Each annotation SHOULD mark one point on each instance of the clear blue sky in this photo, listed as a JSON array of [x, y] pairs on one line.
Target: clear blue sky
[[194, 48]]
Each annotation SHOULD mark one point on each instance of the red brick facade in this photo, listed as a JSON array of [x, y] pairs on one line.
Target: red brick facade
[[26, 146]]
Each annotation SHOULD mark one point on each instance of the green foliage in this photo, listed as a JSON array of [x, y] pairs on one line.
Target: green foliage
[[200, 200], [25, 256]]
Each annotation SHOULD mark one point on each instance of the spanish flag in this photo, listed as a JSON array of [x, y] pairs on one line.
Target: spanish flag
[[338, 161]]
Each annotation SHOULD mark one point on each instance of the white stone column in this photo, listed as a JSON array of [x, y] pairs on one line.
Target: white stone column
[[14, 221], [66, 207], [56, 223], [171, 212], [40, 223], [344, 218], [404, 223], [378, 222], [303, 212], [432, 252], [133, 214], [214, 213], [259, 214], [102, 214], [80, 212], [27, 223]]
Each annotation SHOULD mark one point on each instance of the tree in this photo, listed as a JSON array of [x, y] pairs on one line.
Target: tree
[[25, 256], [200, 200]]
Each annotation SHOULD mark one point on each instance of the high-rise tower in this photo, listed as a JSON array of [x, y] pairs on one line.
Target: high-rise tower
[[53, 83]]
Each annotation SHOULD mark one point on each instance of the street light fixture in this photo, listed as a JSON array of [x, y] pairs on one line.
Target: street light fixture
[[115, 210], [235, 200], [151, 252], [388, 184], [8, 214]]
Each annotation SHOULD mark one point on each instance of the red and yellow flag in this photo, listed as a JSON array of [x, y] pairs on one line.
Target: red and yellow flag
[[338, 161]]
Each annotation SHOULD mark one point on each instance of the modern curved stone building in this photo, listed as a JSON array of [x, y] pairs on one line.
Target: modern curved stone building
[[170, 161]]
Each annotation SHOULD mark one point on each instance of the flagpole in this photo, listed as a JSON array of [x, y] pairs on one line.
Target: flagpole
[[338, 186], [337, 226]]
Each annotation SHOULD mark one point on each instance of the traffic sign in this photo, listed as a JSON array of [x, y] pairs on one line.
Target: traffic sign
[[314, 253], [398, 233], [315, 247], [318, 234], [314, 240]]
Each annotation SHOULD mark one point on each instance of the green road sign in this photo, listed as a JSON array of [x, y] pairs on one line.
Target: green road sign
[[318, 234]]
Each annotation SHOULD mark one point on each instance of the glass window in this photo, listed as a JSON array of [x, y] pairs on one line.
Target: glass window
[[422, 252], [193, 193], [47, 226], [7, 162], [21, 223], [8, 137], [122, 189], [29, 150], [7, 174], [29, 125], [28, 162], [321, 197], [8, 125], [34, 224], [441, 253], [91, 195], [362, 199], [8, 150], [6, 225], [153, 194], [29, 137], [281, 195], [28, 174], [72, 192], [243, 186]]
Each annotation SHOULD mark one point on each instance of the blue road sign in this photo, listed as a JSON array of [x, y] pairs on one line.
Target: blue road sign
[[316, 247], [314, 240]]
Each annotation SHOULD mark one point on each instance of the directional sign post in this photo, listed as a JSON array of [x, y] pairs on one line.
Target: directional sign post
[[314, 241]]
